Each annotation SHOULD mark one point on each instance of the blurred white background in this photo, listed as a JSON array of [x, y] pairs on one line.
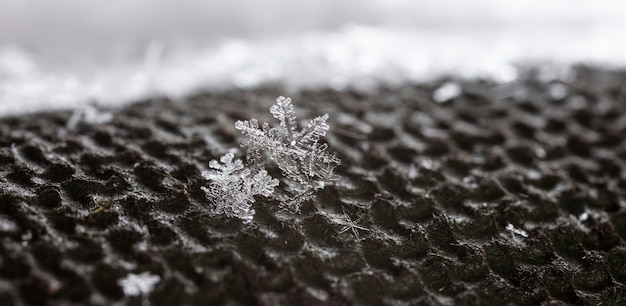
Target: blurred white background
[[63, 53]]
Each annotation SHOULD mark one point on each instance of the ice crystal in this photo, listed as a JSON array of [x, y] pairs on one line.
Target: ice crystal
[[516, 231], [351, 225], [303, 160], [136, 284], [233, 187]]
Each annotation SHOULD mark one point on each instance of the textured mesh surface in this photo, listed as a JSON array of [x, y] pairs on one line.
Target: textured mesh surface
[[506, 193]]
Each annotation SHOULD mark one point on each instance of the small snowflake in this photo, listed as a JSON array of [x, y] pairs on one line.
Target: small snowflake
[[136, 284], [233, 187], [350, 225]]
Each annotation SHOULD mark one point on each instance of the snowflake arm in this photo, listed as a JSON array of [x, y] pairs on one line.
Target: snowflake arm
[[258, 139], [263, 184], [283, 110], [314, 131]]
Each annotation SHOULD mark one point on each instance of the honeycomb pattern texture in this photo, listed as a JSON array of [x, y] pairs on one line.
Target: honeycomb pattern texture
[[506, 193]]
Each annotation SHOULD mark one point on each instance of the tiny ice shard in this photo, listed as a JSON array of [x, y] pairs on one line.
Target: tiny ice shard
[[584, 216], [516, 231], [136, 284], [447, 91]]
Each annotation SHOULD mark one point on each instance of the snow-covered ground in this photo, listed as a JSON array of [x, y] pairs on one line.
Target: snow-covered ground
[[63, 53]]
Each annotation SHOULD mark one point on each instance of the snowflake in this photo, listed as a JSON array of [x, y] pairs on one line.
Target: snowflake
[[302, 159], [305, 163], [136, 284], [233, 187], [351, 225]]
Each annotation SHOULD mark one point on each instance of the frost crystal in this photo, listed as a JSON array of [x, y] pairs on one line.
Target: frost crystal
[[304, 162], [233, 187], [352, 225]]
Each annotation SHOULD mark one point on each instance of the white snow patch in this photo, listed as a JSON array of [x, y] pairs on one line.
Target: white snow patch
[[446, 92], [7, 225], [61, 54]]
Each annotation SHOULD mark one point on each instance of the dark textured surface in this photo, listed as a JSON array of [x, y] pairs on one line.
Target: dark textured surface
[[434, 185]]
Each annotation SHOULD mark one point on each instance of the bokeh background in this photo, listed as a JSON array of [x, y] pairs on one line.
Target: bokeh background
[[62, 54]]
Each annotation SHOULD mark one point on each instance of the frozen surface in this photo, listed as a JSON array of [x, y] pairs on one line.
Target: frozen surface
[[481, 200], [62, 54]]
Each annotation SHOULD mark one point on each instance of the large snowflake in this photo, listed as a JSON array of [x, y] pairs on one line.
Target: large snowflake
[[305, 162]]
